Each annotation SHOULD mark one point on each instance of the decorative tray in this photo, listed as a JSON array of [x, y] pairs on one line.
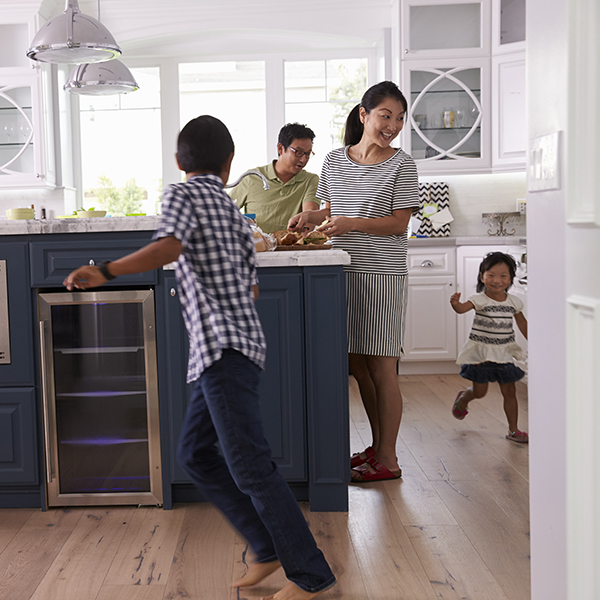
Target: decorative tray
[[303, 247]]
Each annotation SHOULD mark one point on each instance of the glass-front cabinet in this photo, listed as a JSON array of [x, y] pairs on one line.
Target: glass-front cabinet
[[448, 123], [451, 28], [508, 26], [23, 155]]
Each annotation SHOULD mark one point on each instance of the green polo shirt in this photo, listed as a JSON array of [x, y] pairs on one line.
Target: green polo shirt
[[274, 207]]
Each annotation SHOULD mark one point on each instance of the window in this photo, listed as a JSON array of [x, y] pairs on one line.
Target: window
[[320, 94], [234, 92], [121, 148]]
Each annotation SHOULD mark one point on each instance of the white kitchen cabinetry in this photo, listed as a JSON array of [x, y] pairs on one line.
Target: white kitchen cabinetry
[[448, 28], [430, 324], [449, 124], [508, 26], [26, 148], [468, 259], [25, 158], [509, 126]]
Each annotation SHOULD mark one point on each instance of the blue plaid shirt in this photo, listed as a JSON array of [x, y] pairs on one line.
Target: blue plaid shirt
[[215, 271]]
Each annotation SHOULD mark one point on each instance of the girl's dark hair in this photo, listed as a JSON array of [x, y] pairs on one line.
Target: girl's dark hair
[[493, 259], [204, 144], [371, 99]]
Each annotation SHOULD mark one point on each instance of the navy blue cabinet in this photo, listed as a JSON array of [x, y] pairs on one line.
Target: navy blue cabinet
[[303, 389], [18, 447], [16, 363]]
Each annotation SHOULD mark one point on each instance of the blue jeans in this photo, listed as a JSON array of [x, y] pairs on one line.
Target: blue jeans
[[243, 482]]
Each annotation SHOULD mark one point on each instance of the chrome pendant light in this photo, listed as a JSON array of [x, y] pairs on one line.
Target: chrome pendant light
[[101, 79], [73, 37]]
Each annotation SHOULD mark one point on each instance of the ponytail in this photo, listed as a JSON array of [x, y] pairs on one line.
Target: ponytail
[[354, 127]]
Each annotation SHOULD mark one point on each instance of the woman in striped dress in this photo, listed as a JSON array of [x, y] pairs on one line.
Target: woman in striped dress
[[368, 191]]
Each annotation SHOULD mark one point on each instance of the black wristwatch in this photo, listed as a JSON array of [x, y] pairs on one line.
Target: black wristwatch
[[104, 270]]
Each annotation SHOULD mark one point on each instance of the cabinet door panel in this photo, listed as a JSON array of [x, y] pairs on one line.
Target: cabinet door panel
[[430, 330], [16, 367], [282, 391], [18, 448]]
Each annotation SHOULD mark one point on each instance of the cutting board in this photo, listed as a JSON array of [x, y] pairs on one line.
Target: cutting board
[[307, 247]]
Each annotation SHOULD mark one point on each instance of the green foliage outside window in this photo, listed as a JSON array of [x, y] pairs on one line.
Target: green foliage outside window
[[119, 201]]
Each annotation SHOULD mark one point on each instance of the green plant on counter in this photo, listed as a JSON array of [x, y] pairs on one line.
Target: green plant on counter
[[82, 210]]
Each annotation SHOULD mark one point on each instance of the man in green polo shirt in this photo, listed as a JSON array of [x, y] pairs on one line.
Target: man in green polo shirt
[[292, 189]]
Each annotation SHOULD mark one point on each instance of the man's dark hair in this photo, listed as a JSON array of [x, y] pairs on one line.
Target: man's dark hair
[[294, 131], [204, 144]]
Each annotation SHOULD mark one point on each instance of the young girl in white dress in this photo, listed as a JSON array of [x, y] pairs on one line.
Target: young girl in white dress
[[489, 353]]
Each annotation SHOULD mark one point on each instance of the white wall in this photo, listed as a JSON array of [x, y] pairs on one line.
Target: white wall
[[547, 93]]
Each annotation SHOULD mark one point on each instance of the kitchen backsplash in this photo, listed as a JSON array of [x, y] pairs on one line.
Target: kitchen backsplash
[[472, 195]]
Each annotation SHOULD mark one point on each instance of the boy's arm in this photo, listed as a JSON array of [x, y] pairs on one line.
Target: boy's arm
[[521, 323], [458, 306], [156, 254]]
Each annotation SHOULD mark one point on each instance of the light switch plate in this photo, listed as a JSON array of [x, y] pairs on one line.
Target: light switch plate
[[544, 161]]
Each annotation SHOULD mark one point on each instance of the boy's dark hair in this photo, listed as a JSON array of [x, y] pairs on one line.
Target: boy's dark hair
[[371, 99], [493, 259], [204, 144], [294, 131]]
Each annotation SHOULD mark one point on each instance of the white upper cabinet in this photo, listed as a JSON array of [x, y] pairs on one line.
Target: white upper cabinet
[[449, 28], [26, 151], [448, 126], [508, 26]]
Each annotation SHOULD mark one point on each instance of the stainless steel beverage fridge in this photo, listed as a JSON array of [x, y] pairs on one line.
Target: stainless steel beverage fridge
[[100, 397]]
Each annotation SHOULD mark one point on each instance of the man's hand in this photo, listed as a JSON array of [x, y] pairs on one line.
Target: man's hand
[[84, 278]]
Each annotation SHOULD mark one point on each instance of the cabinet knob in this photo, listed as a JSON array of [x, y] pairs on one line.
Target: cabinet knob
[[173, 292], [427, 263], [92, 263], [450, 284]]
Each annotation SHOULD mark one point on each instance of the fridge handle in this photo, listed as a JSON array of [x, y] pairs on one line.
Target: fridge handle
[[45, 410]]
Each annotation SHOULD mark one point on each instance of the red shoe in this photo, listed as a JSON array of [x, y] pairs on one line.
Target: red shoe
[[356, 460], [518, 436], [459, 413], [362, 474]]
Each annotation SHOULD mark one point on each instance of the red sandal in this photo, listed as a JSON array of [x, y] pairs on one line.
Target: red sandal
[[362, 473], [356, 459], [459, 413], [517, 436]]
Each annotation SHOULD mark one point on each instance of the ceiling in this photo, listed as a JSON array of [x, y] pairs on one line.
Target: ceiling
[[198, 27]]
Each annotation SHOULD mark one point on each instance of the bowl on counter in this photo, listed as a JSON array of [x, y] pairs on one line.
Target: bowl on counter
[[14, 214], [89, 214]]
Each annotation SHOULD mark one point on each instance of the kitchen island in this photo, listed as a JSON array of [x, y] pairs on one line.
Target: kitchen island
[[304, 389]]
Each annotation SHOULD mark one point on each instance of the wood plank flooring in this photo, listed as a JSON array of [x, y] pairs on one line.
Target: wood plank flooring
[[455, 527]]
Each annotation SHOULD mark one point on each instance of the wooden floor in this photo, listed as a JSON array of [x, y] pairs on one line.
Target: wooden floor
[[455, 527]]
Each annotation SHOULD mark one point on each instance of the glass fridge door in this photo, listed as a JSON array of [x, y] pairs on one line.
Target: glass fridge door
[[99, 366]]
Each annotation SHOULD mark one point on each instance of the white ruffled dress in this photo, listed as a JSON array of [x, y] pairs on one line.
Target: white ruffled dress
[[492, 337]]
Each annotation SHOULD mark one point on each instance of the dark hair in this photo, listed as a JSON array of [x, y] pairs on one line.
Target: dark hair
[[204, 144], [493, 259], [294, 131], [371, 99]]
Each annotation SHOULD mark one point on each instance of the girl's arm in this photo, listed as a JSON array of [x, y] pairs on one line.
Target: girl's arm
[[521, 323], [394, 224], [458, 306]]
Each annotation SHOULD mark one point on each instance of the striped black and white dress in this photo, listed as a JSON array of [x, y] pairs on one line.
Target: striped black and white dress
[[377, 276]]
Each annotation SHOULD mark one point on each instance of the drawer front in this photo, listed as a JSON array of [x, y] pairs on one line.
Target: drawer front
[[51, 262], [432, 261]]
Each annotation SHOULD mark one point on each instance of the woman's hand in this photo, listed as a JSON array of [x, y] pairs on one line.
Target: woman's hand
[[307, 219], [337, 225]]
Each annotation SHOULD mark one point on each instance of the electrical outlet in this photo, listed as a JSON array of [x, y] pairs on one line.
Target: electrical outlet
[[521, 205]]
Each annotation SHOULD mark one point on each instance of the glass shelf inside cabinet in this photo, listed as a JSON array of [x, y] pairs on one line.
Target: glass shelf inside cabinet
[[16, 131], [445, 115]]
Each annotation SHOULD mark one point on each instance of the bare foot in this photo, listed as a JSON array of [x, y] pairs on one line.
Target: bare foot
[[256, 572], [292, 592]]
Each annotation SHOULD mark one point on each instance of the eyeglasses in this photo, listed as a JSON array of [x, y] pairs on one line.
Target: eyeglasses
[[301, 153]]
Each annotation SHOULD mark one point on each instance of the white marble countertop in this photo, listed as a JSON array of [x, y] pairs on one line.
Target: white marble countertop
[[302, 258], [484, 240], [77, 225]]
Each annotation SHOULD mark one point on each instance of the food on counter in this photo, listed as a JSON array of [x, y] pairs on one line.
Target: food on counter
[[263, 241], [290, 238]]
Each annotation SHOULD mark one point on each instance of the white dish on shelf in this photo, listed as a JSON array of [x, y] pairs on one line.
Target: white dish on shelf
[[14, 214]]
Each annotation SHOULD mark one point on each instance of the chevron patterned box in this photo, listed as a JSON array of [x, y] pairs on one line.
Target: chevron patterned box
[[438, 194]]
